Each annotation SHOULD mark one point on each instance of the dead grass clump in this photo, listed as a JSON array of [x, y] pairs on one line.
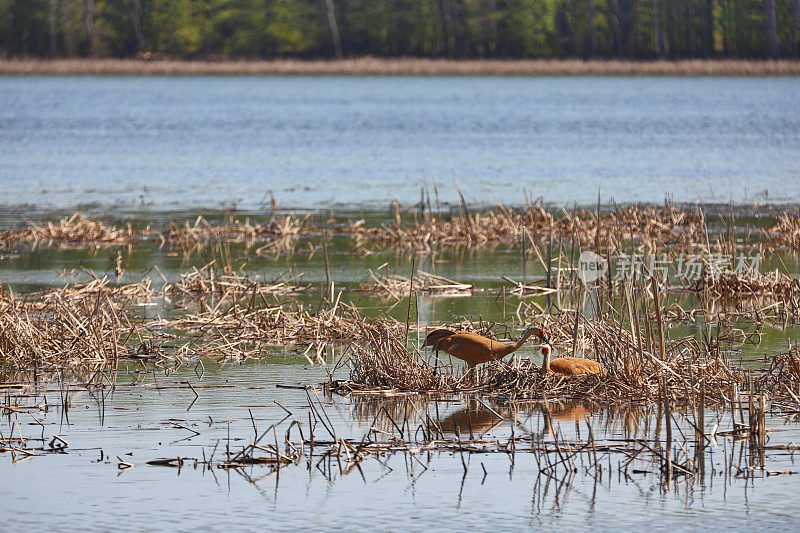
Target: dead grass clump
[[398, 286], [481, 229], [733, 284], [786, 232], [98, 288], [61, 330], [226, 282], [650, 226], [243, 330], [77, 229], [203, 231]]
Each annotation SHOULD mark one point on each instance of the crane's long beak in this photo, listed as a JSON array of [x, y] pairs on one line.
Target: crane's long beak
[[546, 341]]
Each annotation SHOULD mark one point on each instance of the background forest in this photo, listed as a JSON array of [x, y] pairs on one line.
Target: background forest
[[634, 29]]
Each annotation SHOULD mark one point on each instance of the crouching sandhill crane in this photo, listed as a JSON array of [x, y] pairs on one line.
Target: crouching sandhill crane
[[569, 366], [475, 349]]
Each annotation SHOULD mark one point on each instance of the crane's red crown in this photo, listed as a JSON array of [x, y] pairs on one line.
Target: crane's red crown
[[539, 333]]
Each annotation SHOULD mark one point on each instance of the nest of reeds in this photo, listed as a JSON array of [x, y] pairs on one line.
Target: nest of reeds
[[634, 369], [382, 362]]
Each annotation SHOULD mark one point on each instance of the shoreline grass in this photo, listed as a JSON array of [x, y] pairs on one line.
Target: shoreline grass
[[405, 66]]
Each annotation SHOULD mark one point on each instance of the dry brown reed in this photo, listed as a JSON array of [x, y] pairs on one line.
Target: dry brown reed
[[97, 322], [650, 226], [613, 231], [499, 225], [78, 230], [98, 287], [406, 66]]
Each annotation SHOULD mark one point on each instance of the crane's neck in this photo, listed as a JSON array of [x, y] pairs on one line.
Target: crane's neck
[[546, 360], [505, 349]]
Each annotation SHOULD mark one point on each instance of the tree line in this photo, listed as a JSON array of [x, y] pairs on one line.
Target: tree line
[[630, 29]]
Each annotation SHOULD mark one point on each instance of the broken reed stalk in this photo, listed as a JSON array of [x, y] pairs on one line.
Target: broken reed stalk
[[668, 426], [410, 287], [525, 257], [659, 321]]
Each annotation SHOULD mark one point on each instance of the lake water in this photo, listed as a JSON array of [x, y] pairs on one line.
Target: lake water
[[195, 142], [151, 416], [158, 148]]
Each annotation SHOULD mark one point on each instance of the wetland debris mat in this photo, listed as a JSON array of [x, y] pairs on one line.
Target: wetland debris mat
[[219, 310], [419, 227]]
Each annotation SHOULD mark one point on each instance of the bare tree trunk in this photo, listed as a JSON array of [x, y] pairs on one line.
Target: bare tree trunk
[[337, 41], [266, 50], [593, 29], [708, 36], [572, 35], [688, 15], [795, 44], [659, 35], [445, 29], [458, 26], [772, 30], [136, 19], [52, 26], [69, 43], [615, 25], [91, 31], [724, 26], [488, 8]]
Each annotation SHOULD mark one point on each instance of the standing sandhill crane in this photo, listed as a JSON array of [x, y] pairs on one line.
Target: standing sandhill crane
[[569, 366], [475, 349]]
